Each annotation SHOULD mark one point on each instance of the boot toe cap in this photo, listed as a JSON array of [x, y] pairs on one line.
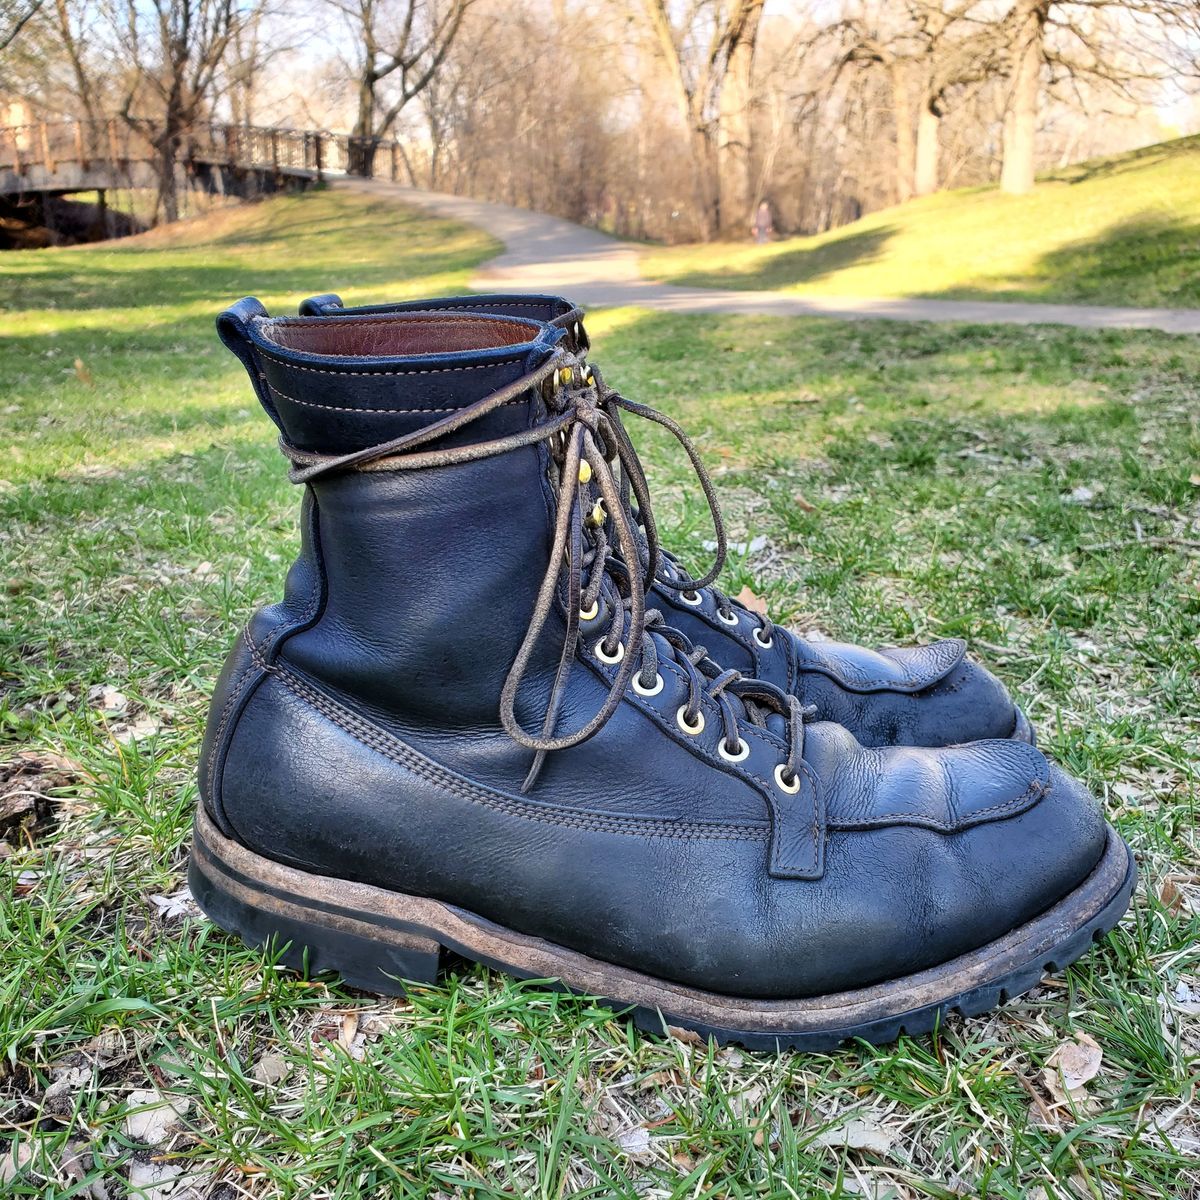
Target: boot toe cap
[[903, 896]]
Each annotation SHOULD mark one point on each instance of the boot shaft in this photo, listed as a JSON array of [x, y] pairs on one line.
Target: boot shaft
[[420, 583]]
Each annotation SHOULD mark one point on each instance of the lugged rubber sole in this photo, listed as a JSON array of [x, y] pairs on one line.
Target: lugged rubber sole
[[376, 939]]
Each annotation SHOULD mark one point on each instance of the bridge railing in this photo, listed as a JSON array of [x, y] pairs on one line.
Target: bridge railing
[[48, 144]]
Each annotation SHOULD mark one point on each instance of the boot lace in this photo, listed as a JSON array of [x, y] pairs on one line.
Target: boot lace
[[669, 573], [586, 444]]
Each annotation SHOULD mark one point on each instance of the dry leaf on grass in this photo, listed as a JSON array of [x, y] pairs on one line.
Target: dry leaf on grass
[[25, 782], [59, 1100], [271, 1069], [803, 503], [154, 1115], [1186, 998], [107, 699], [689, 1037], [858, 1133], [1070, 1067], [179, 904], [155, 1180], [635, 1142], [19, 1156], [79, 1161], [751, 600], [1173, 896], [144, 726]]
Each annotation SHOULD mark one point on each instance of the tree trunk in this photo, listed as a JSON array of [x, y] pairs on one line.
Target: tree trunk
[[168, 192], [687, 106], [925, 176], [1020, 119], [364, 121], [905, 147], [735, 182]]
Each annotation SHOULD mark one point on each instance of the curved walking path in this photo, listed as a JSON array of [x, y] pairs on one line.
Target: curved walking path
[[547, 254]]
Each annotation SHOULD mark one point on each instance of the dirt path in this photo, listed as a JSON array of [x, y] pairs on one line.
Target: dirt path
[[546, 254]]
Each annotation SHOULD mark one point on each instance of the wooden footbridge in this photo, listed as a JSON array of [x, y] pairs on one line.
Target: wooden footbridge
[[57, 158]]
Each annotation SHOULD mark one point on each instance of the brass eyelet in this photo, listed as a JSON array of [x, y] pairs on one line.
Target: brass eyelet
[[780, 782], [681, 721], [647, 691], [742, 752], [600, 653]]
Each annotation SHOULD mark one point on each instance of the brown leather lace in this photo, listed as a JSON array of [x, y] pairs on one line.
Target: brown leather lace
[[579, 431], [670, 574]]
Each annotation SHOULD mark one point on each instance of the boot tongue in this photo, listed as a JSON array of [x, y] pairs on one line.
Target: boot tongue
[[340, 384]]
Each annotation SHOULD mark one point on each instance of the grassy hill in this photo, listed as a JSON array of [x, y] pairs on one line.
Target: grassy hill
[[1123, 230], [1034, 489]]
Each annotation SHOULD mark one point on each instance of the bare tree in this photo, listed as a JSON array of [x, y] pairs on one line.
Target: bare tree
[[930, 51], [175, 50], [399, 46], [14, 16], [74, 25], [709, 57], [1122, 45]]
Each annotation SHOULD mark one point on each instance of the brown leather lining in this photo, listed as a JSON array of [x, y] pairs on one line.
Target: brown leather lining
[[396, 336]]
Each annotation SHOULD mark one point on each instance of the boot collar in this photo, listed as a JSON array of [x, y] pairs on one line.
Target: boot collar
[[339, 384]]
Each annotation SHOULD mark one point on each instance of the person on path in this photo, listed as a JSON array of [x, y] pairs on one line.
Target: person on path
[[762, 227]]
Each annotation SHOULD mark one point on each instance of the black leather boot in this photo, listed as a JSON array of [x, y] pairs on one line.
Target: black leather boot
[[463, 729], [914, 695]]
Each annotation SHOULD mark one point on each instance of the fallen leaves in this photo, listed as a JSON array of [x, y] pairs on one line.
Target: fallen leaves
[[176, 906], [153, 1116], [1174, 894], [635, 1142], [271, 1069], [1186, 998], [1069, 1069], [60, 1099], [107, 699], [1083, 494], [26, 781], [750, 599], [859, 1133]]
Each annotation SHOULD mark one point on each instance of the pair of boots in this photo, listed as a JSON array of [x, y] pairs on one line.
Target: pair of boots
[[492, 715]]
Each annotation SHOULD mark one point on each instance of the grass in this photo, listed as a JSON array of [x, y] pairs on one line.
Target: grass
[[1033, 489], [1124, 230]]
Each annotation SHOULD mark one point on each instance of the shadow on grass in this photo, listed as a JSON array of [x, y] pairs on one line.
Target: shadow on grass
[[776, 267], [1149, 259], [1133, 160]]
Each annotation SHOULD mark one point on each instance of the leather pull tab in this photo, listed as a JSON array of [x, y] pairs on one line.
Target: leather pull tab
[[233, 328], [797, 830], [318, 306]]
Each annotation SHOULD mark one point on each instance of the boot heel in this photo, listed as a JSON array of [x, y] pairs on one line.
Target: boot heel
[[311, 933]]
